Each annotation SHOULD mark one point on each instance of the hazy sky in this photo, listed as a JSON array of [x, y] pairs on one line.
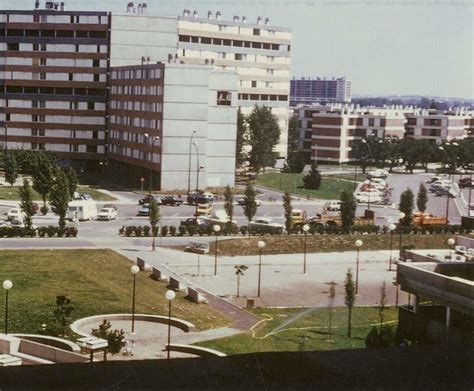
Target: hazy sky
[[386, 47]]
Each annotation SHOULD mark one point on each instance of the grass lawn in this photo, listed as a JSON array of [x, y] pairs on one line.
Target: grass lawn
[[12, 193], [96, 281], [331, 188], [348, 177], [288, 244], [308, 332]]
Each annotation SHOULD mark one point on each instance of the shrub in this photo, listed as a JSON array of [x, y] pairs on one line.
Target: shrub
[[61, 232], [191, 230], [172, 230], [51, 231], [122, 230], [42, 232], [181, 230], [44, 209], [115, 338], [71, 232], [146, 230], [129, 230], [138, 231], [164, 230]]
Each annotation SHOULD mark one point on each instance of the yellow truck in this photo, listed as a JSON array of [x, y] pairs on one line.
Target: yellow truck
[[428, 219], [327, 218]]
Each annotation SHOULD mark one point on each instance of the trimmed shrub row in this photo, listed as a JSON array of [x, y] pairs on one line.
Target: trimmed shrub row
[[14, 232]]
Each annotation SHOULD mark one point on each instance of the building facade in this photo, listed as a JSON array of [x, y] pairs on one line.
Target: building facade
[[53, 81], [173, 125], [308, 91]]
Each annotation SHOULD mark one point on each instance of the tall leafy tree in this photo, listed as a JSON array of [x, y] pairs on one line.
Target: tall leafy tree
[[154, 217], [229, 204], [465, 152], [313, 179], [59, 197], [288, 209], [26, 203], [250, 204], [240, 155], [43, 178], [295, 162], [263, 135], [361, 154], [72, 180], [349, 299], [406, 206], [11, 168], [422, 198], [348, 210], [63, 311]]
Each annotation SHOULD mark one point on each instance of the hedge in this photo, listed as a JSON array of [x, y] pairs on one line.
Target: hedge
[[13, 232]]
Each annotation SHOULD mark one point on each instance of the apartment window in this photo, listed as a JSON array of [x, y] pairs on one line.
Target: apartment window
[[240, 57], [95, 134], [227, 42], [224, 98], [31, 33], [41, 147], [34, 118], [222, 27], [35, 47], [371, 122], [34, 104], [256, 31], [13, 46], [43, 61], [36, 18], [275, 46], [184, 38], [34, 132], [254, 84], [42, 104], [74, 148], [195, 39], [81, 34], [96, 77], [206, 41], [256, 45], [90, 106], [95, 63], [237, 43], [216, 41], [73, 105], [42, 76], [309, 124], [247, 44], [91, 149], [34, 146], [41, 118], [70, 78], [43, 47]]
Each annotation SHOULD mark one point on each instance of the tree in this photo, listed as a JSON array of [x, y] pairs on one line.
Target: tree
[[26, 203], [349, 299], [381, 306], [262, 136], [59, 197], [229, 204], [115, 338], [295, 163], [11, 168], [72, 180], [313, 179], [361, 154], [288, 209], [239, 272], [293, 135], [250, 205], [331, 295], [406, 206], [43, 178], [63, 311], [240, 155], [422, 198], [348, 210], [154, 217]]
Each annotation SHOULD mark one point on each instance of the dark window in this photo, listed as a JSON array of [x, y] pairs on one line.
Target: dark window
[[80, 91], [245, 96], [224, 98], [95, 63], [81, 34], [253, 96], [77, 48], [13, 46], [90, 106], [275, 46], [97, 34], [266, 46], [238, 43], [36, 18], [43, 61], [14, 90], [95, 134], [283, 98], [308, 134], [206, 41], [371, 122], [247, 44], [256, 31], [46, 90], [15, 33], [91, 149], [72, 19], [195, 39], [2, 32], [70, 77], [63, 91], [227, 42], [7, 117], [32, 33], [256, 45], [217, 41], [31, 90], [47, 33], [42, 76], [254, 84], [96, 77], [289, 48], [273, 97], [95, 92], [65, 33], [184, 38], [43, 47], [98, 48], [309, 124], [263, 97]]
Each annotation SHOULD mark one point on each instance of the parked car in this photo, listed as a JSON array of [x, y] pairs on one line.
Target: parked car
[[332, 206], [148, 198], [15, 214], [110, 206], [377, 174], [241, 201], [107, 214], [20, 224], [265, 225], [171, 200], [144, 210], [465, 182], [200, 198], [193, 222]]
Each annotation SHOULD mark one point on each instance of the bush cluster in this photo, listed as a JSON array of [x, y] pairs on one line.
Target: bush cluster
[[171, 230], [15, 232]]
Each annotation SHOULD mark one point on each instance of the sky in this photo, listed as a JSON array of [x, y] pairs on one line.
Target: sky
[[385, 47]]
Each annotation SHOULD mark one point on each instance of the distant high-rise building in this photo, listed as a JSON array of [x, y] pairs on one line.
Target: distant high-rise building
[[307, 90]]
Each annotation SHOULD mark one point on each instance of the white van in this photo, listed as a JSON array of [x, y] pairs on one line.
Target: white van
[[82, 210]]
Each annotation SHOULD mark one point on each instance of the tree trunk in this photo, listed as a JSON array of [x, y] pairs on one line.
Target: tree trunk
[[153, 229], [238, 285], [349, 323]]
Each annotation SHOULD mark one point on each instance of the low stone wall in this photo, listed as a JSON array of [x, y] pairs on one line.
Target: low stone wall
[[194, 295], [196, 350], [94, 321], [49, 353], [158, 274], [59, 343]]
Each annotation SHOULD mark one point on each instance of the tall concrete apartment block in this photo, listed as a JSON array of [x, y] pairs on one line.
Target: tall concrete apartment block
[[53, 78], [335, 127], [171, 122], [308, 91], [259, 52]]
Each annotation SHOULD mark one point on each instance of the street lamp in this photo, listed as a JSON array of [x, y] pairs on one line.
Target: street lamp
[[153, 139], [391, 228], [451, 243], [170, 295], [358, 244], [189, 161], [134, 270], [7, 285], [198, 170], [216, 228], [260, 244], [305, 231], [401, 217]]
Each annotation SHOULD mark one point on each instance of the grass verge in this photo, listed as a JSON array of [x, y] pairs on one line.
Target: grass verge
[[289, 244], [97, 282], [331, 188], [308, 332], [12, 193]]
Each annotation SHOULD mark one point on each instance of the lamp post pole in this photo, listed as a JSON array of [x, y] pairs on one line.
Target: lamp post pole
[[261, 245], [451, 243], [170, 295], [391, 227], [7, 285], [400, 228], [216, 229], [134, 270], [305, 231], [198, 170], [189, 160], [358, 244]]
